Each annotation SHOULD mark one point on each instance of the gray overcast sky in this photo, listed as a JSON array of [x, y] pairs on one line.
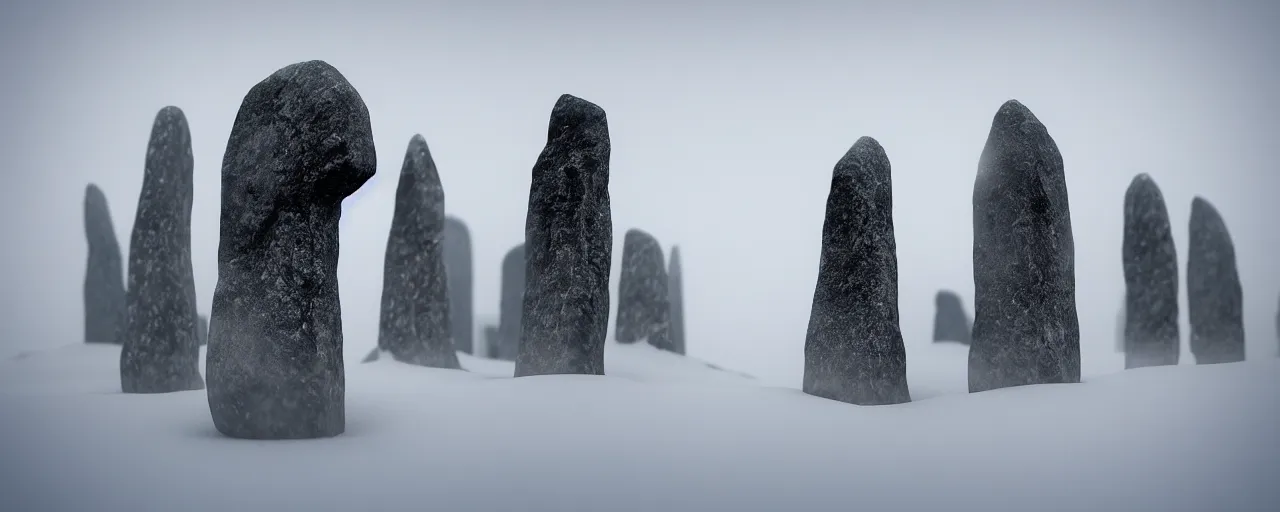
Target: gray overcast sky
[[726, 120]]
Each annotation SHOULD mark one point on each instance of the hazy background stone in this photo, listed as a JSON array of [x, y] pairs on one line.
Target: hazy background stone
[[1151, 336], [458, 264], [104, 296], [1215, 299], [506, 344], [644, 307], [950, 321], [675, 290]]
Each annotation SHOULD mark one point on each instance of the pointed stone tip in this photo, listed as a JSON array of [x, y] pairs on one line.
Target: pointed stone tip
[[1201, 206], [170, 114], [1013, 111], [867, 151], [92, 190], [581, 110], [637, 233]]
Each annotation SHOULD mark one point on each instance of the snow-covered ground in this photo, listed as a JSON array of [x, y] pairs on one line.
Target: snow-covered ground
[[659, 433]]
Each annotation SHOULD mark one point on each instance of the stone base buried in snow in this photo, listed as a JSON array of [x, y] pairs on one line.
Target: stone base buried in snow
[[660, 432]]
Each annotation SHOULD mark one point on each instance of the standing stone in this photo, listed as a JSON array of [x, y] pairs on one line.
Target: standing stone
[[1025, 329], [457, 263], [202, 329], [275, 335], [104, 296], [1214, 297], [414, 326], [853, 351], [950, 321], [161, 352], [506, 344], [1150, 277], [569, 244], [675, 291], [644, 307]]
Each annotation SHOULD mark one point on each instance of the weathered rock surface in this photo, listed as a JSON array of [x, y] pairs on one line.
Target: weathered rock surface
[[301, 143], [1215, 299], [569, 244], [506, 344], [675, 291], [853, 351], [950, 321], [414, 326], [104, 296], [160, 351], [1151, 278], [458, 265], [644, 307], [1025, 328]]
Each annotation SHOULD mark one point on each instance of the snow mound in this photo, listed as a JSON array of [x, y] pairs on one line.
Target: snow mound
[[659, 433]]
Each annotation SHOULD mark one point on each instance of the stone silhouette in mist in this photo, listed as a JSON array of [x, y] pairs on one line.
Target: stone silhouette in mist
[[458, 266], [853, 351], [569, 245], [301, 142], [414, 326], [1120, 323], [644, 307], [1025, 328], [161, 352], [675, 292], [1151, 335], [505, 344], [202, 329], [950, 321], [104, 295], [1214, 296]]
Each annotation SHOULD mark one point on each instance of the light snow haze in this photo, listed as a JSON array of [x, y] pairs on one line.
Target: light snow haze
[[726, 121]]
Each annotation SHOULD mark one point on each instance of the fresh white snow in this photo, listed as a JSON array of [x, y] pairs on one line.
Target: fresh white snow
[[659, 433]]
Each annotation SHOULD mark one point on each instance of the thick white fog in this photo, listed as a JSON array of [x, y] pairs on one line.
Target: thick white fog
[[726, 121]]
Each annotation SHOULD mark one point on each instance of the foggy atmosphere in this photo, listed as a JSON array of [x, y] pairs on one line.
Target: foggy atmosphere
[[640, 256]]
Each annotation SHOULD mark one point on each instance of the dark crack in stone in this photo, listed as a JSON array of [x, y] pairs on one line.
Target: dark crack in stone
[[1025, 328], [300, 144], [853, 350], [1215, 299], [569, 244], [1151, 335], [104, 296]]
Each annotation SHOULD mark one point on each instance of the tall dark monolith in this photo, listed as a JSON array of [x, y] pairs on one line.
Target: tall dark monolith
[[104, 296], [950, 321], [414, 326], [1025, 329], [569, 244], [506, 343], [1150, 260], [457, 263], [853, 351], [301, 143], [161, 352], [675, 292], [644, 307], [1215, 299]]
